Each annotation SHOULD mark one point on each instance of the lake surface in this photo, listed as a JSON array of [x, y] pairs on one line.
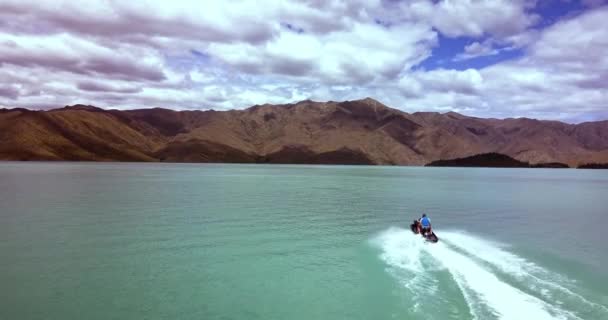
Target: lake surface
[[204, 241]]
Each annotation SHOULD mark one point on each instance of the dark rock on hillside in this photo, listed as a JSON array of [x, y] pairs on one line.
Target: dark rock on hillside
[[303, 155], [202, 151], [553, 165]]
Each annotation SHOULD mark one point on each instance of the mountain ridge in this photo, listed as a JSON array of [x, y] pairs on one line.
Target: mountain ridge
[[359, 131]]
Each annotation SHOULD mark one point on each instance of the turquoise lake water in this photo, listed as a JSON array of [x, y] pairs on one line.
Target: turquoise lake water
[[205, 241]]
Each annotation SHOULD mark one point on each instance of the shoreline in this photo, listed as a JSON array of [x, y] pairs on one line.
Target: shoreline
[[277, 164]]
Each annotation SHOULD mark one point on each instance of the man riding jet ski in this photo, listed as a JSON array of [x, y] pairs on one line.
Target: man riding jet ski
[[423, 226]]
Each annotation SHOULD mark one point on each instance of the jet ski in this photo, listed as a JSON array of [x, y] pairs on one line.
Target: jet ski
[[429, 236]]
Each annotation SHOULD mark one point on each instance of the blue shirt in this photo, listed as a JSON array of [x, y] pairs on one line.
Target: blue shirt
[[425, 221]]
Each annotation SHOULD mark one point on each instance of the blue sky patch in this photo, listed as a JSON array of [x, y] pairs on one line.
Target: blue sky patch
[[292, 27]]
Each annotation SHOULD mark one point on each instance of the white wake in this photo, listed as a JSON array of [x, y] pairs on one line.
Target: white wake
[[478, 268], [550, 285]]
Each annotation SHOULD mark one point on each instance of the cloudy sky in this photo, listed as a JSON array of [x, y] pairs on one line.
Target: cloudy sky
[[544, 59]]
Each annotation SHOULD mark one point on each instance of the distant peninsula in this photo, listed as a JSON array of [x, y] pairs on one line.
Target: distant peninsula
[[594, 166], [363, 132], [492, 160]]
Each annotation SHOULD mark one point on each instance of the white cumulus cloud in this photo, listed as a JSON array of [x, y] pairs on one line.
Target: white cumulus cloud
[[199, 55]]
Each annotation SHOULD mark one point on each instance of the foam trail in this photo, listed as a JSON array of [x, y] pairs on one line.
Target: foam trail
[[400, 249], [546, 282], [469, 261], [490, 252], [506, 301], [403, 254]]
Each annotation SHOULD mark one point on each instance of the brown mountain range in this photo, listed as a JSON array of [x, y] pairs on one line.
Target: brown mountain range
[[351, 132]]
